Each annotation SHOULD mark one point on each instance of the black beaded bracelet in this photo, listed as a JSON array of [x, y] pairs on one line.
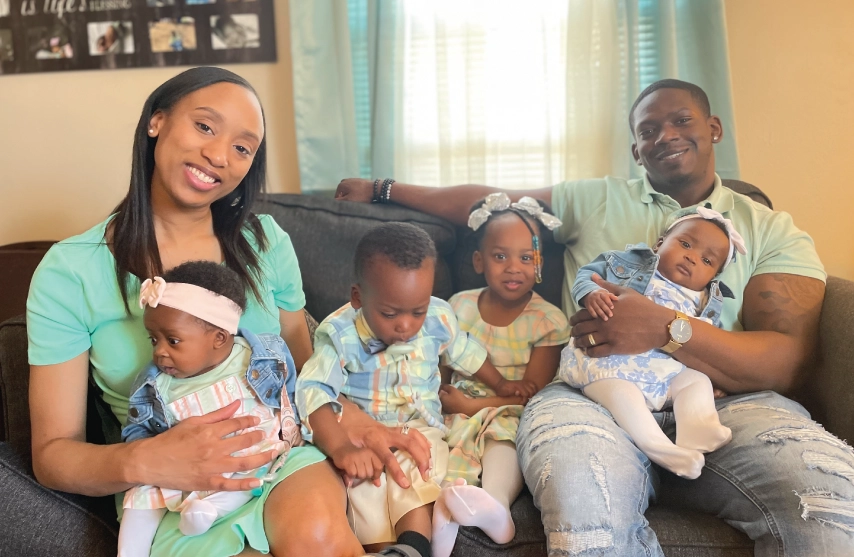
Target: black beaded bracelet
[[376, 197], [385, 191]]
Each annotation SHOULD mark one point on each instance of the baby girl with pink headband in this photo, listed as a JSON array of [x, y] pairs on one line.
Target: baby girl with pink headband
[[679, 272], [202, 362]]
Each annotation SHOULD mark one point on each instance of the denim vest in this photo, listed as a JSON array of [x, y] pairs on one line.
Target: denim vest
[[634, 268], [271, 367]]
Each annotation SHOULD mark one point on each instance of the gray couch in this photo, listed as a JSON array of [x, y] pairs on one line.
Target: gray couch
[[324, 233]]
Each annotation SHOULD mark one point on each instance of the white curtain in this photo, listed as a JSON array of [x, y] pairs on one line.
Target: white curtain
[[507, 93], [510, 94]]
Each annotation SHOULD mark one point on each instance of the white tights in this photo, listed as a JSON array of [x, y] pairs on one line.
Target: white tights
[[139, 526], [487, 508], [698, 428]]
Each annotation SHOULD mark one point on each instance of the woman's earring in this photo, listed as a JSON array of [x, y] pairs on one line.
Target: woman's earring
[[235, 202], [715, 138], [151, 131]]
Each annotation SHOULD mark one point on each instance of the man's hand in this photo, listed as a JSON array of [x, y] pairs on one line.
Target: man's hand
[[355, 189], [639, 326], [600, 303]]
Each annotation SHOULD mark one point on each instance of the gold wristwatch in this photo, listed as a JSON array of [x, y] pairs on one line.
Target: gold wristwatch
[[680, 333]]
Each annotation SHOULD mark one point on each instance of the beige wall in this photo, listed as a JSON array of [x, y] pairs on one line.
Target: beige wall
[[792, 64], [65, 140]]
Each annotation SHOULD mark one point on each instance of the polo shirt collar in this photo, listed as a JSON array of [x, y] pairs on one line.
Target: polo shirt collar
[[720, 199]]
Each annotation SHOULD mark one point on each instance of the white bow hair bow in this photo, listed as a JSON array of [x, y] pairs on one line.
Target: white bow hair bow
[[735, 238], [151, 292], [501, 202]]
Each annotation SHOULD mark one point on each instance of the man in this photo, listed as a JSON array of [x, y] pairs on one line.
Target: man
[[782, 479]]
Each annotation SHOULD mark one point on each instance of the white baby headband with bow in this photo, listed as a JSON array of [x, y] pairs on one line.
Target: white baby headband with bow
[[501, 202], [736, 241]]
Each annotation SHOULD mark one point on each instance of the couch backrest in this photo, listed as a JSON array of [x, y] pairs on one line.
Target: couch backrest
[[325, 233]]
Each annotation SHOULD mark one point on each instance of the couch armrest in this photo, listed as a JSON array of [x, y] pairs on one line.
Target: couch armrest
[[832, 386], [15, 385]]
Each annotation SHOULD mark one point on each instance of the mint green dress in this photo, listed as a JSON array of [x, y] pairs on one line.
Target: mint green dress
[[74, 306]]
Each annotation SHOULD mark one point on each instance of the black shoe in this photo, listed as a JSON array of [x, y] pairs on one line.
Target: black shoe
[[397, 550]]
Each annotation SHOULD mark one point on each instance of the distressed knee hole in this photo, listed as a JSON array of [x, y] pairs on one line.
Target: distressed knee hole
[[563, 404], [804, 434], [748, 406], [828, 509], [574, 543], [829, 464], [546, 474], [541, 420], [598, 470], [566, 431]]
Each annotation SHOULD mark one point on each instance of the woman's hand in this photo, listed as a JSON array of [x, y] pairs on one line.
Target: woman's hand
[[355, 189], [454, 401], [193, 455], [364, 432], [357, 464], [639, 326]]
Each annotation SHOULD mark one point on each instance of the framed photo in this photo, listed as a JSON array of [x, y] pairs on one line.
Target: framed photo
[[62, 35]]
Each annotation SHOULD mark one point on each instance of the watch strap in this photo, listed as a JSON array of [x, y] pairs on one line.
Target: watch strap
[[672, 346]]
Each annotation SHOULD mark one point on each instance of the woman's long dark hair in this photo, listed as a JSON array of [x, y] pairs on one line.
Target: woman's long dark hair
[[133, 240]]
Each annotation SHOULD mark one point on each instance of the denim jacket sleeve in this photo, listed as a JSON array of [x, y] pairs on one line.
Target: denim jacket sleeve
[[584, 284], [141, 409], [279, 348]]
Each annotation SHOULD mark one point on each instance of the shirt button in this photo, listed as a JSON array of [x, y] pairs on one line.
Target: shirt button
[[134, 413], [711, 314], [639, 278], [255, 374], [268, 393], [620, 269], [229, 388]]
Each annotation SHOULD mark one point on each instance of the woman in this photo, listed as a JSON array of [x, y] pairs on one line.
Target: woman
[[199, 163]]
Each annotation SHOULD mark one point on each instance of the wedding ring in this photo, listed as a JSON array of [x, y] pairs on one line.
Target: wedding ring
[[591, 340], [405, 429]]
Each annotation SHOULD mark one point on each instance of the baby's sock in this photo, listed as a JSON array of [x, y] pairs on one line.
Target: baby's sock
[[444, 528], [473, 506], [197, 517], [416, 541], [698, 425]]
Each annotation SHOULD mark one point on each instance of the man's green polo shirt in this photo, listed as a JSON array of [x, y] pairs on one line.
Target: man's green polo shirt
[[609, 213]]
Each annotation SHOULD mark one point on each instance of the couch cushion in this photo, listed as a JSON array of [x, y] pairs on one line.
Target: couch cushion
[[325, 233]]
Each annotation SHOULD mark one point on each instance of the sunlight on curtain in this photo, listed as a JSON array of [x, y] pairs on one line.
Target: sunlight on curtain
[[491, 93], [501, 92]]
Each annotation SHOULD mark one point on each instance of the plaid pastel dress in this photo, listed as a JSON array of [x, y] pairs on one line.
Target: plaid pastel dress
[[539, 324]]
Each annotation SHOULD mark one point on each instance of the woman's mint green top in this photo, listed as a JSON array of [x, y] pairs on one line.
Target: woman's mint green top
[[74, 306]]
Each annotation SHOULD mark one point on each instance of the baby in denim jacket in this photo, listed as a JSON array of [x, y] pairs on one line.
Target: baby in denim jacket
[[201, 363], [679, 273]]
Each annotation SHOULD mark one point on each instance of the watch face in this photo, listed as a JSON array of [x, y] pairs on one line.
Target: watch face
[[680, 330]]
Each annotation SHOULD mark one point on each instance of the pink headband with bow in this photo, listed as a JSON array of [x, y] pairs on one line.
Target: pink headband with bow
[[189, 298]]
